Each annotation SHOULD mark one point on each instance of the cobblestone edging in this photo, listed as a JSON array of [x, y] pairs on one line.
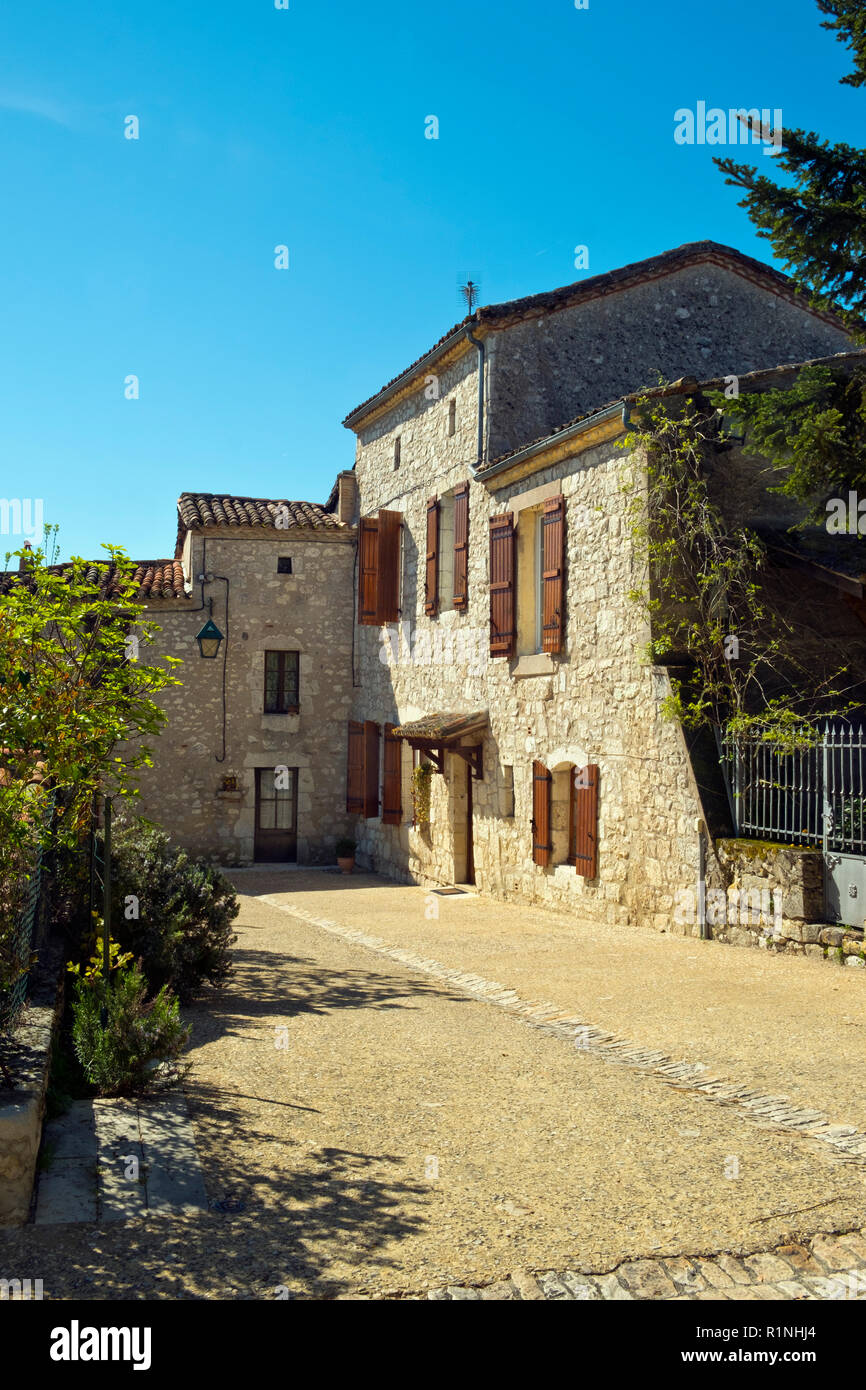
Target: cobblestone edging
[[776, 1112], [827, 1267]]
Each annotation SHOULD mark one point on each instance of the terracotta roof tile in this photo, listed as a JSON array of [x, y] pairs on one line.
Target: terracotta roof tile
[[199, 509], [156, 579]]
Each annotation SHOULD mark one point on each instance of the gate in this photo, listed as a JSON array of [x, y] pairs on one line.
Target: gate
[[812, 795]]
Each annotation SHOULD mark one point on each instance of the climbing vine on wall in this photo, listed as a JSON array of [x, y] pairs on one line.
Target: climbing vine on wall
[[421, 783], [702, 587]]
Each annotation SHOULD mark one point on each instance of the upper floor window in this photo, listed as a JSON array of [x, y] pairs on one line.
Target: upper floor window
[[446, 578], [397, 451], [527, 580], [379, 547], [452, 416], [284, 564], [281, 683]]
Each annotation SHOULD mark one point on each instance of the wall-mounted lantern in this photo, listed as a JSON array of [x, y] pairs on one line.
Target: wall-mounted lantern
[[209, 640]]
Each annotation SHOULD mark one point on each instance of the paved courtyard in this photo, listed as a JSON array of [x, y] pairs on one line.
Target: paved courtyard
[[406, 1095]]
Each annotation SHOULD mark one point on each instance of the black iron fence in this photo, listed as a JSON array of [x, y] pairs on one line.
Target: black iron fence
[[814, 794]]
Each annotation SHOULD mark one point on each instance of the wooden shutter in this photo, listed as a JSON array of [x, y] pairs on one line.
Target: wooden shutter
[[392, 804], [355, 769], [553, 572], [388, 578], [584, 820], [502, 627], [368, 569], [461, 547], [371, 768], [541, 788], [431, 583]]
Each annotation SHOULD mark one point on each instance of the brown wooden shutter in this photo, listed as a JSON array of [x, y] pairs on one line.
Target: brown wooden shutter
[[584, 820], [368, 569], [392, 804], [355, 769], [431, 584], [502, 626], [541, 789], [371, 768], [553, 573], [388, 579], [461, 547]]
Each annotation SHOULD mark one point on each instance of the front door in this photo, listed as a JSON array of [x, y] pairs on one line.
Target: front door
[[276, 815]]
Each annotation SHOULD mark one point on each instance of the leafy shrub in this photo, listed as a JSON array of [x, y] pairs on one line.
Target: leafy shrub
[[185, 910], [345, 849], [124, 1057]]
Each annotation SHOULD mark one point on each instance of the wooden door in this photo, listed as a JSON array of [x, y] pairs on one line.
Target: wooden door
[[276, 838]]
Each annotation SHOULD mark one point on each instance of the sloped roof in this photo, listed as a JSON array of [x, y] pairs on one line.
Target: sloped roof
[[156, 579], [199, 509], [443, 728], [637, 272]]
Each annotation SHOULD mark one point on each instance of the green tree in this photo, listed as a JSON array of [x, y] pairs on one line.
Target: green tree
[[817, 223], [76, 703]]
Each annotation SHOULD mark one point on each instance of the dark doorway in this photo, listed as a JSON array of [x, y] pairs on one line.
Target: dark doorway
[[276, 839], [470, 848]]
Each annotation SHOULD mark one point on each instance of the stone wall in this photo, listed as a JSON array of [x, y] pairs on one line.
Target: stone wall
[[705, 321], [309, 611], [596, 703], [772, 895]]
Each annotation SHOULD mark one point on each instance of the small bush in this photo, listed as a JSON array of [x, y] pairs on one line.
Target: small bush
[[345, 849], [124, 1057], [185, 908]]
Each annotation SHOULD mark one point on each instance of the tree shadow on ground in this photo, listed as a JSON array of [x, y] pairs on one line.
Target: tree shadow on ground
[[264, 984]]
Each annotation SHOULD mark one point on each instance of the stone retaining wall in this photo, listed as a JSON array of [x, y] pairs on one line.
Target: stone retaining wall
[[28, 1057], [772, 895]]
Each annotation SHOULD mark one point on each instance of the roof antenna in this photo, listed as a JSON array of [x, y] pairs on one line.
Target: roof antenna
[[469, 291]]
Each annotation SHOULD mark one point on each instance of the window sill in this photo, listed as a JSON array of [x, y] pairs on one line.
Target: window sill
[[540, 664]]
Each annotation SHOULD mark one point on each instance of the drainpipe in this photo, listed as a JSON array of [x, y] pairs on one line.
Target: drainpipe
[[478, 344], [627, 422]]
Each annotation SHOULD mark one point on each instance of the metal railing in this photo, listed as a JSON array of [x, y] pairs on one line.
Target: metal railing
[[810, 795]]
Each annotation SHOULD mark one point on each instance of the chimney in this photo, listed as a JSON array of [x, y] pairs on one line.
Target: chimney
[[347, 496], [22, 562]]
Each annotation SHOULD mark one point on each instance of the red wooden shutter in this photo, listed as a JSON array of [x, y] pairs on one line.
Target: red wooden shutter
[[541, 788], [371, 768], [388, 588], [355, 769], [502, 628], [392, 805], [461, 546], [368, 569], [553, 571], [431, 586], [584, 820]]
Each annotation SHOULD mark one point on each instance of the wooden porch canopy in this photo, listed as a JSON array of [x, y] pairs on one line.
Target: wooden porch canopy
[[438, 732]]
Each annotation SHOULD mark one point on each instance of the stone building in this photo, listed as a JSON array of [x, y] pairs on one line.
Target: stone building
[[250, 765], [495, 636]]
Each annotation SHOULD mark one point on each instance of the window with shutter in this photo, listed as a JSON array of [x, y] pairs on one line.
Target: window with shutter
[[502, 631], [583, 835], [368, 569], [371, 768], [355, 769], [379, 568], [552, 575], [461, 546], [388, 577], [541, 842], [392, 803], [431, 580]]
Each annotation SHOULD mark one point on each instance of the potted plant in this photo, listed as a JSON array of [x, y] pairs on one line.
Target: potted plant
[[346, 855]]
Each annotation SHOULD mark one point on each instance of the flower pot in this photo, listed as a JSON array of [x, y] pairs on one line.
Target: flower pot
[[346, 865]]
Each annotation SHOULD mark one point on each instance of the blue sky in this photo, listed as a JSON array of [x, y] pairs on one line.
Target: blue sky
[[305, 127]]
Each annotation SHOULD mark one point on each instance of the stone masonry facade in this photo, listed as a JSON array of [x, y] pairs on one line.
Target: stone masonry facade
[[523, 402]]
